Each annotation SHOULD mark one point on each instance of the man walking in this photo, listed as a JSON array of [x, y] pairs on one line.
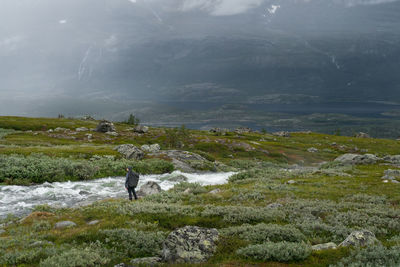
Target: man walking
[[132, 179]]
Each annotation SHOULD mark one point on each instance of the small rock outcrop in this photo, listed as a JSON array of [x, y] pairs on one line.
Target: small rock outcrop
[[395, 159], [312, 150], [243, 130], [105, 126], [219, 131], [130, 151], [282, 134], [149, 188], [183, 160], [274, 205], [362, 135], [215, 191], [64, 224], [357, 159], [151, 148], [325, 246], [391, 175], [82, 129], [359, 239], [190, 244], [174, 177], [141, 129], [93, 222]]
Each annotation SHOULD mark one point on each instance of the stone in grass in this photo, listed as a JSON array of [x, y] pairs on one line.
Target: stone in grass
[[325, 246], [190, 244], [291, 182], [312, 150], [93, 222], [359, 239], [215, 191], [64, 224], [274, 205]]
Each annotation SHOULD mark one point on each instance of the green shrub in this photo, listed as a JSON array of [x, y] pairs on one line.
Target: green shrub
[[375, 256], [133, 243], [39, 226], [282, 251], [243, 214], [78, 257], [27, 255], [261, 233]]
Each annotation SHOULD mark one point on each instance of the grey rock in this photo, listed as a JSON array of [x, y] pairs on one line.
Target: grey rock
[[2, 231], [312, 150], [60, 129], [274, 205], [174, 178], [359, 239], [215, 191], [219, 131], [130, 151], [391, 174], [291, 182], [141, 129], [395, 181], [93, 222], [395, 159], [105, 126], [282, 134], [41, 243], [82, 129], [182, 160], [362, 135], [190, 244], [187, 191], [149, 188], [112, 133], [242, 130], [149, 261], [325, 246], [151, 148], [64, 224], [357, 159]]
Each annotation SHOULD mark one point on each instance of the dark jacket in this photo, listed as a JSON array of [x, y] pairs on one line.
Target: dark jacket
[[132, 178]]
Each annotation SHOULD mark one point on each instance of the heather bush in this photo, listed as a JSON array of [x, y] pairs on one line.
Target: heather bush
[[39, 226], [133, 243], [281, 251], [375, 256], [91, 255], [10, 257], [262, 233], [5, 132], [243, 214], [364, 198]]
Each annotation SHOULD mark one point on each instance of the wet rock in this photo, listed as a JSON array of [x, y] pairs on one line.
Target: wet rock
[[274, 205], [105, 126], [151, 148], [149, 261], [141, 129], [190, 244], [149, 188], [282, 134], [362, 135], [325, 246], [174, 178], [93, 222], [130, 151], [312, 150], [64, 224], [82, 129], [357, 159], [359, 239]]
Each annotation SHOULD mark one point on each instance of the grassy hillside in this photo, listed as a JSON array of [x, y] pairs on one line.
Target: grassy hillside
[[325, 202]]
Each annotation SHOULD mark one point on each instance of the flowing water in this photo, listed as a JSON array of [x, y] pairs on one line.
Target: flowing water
[[20, 200]]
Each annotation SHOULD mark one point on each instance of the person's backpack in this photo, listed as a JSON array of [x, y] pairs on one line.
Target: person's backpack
[[133, 179]]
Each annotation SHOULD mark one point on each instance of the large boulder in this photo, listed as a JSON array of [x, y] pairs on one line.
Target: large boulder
[[105, 126], [174, 177], [359, 239], [151, 148], [141, 129], [130, 151], [183, 160], [395, 159], [357, 159], [391, 175], [190, 244], [149, 188]]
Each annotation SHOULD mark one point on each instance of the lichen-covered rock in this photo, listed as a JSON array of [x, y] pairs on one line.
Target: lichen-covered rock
[[362, 135], [359, 239], [391, 174], [190, 244], [274, 205], [141, 129], [149, 188], [312, 150], [81, 129], [183, 160], [215, 191], [105, 126], [282, 134], [64, 224], [395, 159], [130, 151], [151, 148], [242, 130], [325, 246], [174, 177], [357, 159]]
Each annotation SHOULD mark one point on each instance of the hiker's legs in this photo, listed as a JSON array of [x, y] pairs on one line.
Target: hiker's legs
[[134, 192], [130, 193]]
